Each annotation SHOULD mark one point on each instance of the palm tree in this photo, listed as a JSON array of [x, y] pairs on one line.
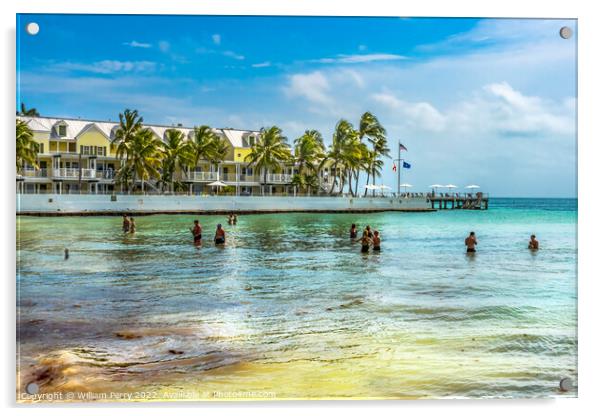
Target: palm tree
[[27, 148], [269, 152], [309, 148], [219, 151], [130, 123], [201, 145], [32, 112], [376, 134], [145, 156], [338, 154], [175, 155]]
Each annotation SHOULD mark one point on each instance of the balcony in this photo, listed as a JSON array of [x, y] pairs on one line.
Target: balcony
[[278, 178], [199, 176], [73, 173], [105, 174], [35, 173]]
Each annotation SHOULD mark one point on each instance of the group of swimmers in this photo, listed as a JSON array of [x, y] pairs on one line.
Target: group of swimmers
[[369, 238], [197, 234], [471, 243], [128, 225]]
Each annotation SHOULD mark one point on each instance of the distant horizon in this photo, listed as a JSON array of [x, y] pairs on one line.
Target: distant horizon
[[465, 96]]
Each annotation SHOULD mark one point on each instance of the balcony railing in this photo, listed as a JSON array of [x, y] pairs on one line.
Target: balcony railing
[[35, 173], [105, 174], [278, 177], [73, 173], [199, 176]]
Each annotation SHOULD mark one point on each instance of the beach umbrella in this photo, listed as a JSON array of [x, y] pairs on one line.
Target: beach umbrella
[[405, 186], [218, 184], [450, 187], [371, 187], [473, 187], [436, 186], [384, 187]]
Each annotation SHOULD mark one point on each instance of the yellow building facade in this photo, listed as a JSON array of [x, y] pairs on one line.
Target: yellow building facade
[[77, 156]]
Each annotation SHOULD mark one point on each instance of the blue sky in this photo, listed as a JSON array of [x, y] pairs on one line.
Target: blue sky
[[486, 101]]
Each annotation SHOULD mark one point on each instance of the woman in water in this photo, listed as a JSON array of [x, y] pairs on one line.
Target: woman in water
[[366, 241], [353, 232], [376, 241], [220, 236], [132, 225], [125, 225]]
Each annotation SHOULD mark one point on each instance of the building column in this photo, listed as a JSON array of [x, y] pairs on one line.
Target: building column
[[237, 179]]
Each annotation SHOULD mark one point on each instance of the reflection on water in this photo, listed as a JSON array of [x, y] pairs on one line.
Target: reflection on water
[[290, 306]]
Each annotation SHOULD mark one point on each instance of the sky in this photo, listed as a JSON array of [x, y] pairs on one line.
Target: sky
[[475, 101]]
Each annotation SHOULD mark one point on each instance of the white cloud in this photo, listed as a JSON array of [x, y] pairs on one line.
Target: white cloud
[[107, 66], [136, 44], [422, 115], [313, 87], [234, 55], [262, 64], [362, 58], [216, 38]]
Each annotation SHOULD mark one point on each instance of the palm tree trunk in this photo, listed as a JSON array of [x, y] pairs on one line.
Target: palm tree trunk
[[334, 181], [367, 182], [265, 181], [373, 182]]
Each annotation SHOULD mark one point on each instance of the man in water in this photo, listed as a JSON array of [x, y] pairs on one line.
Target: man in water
[[132, 225], [353, 232], [471, 243], [533, 243], [368, 230], [125, 224], [376, 241], [196, 231], [220, 236]]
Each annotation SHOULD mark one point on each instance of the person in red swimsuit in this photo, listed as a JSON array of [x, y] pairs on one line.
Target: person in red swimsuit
[[220, 236]]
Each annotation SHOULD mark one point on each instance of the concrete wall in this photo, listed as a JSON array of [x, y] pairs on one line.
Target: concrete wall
[[97, 204]]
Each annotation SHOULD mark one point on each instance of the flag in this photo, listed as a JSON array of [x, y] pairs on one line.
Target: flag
[[394, 167], [406, 165], [402, 147]]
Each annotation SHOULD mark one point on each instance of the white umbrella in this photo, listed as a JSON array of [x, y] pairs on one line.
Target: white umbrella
[[436, 186], [384, 187], [371, 187], [217, 183], [473, 187], [405, 186]]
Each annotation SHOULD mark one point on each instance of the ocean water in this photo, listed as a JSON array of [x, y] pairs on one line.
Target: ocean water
[[291, 309]]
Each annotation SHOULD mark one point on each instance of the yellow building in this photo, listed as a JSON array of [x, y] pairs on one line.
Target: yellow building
[[76, 156]]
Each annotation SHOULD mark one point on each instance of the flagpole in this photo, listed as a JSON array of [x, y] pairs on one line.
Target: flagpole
[[398, 166]]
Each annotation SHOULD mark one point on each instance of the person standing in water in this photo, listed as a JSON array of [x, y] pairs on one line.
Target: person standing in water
[[366, 241], [533, 243], [376, 241], [125, 225], [220, 236], [353, 232], [471, 243], [369, 231], [197, 232], [132, 225]]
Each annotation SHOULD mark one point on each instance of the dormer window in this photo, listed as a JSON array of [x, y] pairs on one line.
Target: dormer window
[[62, 130], [251, 141]]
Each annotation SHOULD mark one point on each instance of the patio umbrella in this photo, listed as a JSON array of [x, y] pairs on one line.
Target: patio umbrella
[[405, 186], [436, 186], [473, 187], [450, 187], [217, 184], [371, 187]]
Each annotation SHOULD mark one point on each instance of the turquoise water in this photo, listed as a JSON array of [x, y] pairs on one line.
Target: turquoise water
[[291, 309]]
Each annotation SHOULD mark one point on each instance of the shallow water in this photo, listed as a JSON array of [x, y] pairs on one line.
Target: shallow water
[[291, 309]]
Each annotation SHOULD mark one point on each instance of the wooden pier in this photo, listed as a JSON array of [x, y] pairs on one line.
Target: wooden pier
[[459, 201]]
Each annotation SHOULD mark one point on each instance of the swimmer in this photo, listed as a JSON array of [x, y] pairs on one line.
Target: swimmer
[[235, 218], [376, 241], [220, 236], [533, 243], [231, 219], [66, 254], [125, 224], [471, 242], [132, 225], [196, 231], [369, 231], [353, 232], [366, 241]]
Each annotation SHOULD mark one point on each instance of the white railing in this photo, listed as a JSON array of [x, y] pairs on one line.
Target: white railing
[[200, 176], [35, 173], [278, 177], [74, 173], [105, 174]]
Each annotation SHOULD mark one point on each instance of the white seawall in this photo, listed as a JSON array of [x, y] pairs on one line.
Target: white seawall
[[55, 204]]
